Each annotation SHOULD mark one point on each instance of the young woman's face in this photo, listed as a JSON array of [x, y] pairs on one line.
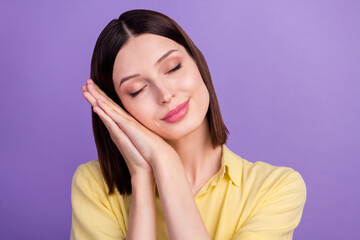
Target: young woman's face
[[164, 78]]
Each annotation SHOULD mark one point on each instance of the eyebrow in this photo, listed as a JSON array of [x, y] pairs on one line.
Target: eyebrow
[[156, 63]]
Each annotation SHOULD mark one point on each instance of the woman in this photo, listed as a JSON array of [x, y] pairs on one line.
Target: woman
[[163, 169]]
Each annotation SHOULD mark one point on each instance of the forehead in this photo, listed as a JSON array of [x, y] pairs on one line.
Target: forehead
[[145, 48]]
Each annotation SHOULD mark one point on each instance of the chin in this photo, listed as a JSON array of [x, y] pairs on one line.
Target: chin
[[174, 136], [182, 130]]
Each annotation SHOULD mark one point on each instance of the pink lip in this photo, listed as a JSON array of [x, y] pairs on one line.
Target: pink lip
[[177, 113]]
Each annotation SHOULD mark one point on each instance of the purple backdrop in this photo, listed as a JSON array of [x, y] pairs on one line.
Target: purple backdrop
[[286, 75]]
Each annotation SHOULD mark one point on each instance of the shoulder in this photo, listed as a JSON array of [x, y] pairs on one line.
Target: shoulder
[[270, 174], [273, 199], [95, 214], [93, 166], [89, 176], [261, 178]]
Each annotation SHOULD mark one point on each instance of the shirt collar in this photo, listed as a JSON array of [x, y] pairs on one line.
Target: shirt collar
[[232, 165]]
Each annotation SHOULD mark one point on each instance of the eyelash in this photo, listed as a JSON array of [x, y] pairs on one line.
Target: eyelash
[[135, 93], [175, 68], [172, 70]]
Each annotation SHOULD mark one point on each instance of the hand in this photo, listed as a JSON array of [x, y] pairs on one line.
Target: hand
[[100, 101], [139, 146]]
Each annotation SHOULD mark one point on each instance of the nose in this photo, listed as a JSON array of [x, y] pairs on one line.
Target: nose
[[166, 93], [167, 98]]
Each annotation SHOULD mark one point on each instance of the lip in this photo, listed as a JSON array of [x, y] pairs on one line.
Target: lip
[[177, 113]]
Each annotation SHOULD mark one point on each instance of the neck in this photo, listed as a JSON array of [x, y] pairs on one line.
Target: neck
[[200, 160]]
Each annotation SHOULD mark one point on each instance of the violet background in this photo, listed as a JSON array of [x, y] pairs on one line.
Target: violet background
[[286, 74]]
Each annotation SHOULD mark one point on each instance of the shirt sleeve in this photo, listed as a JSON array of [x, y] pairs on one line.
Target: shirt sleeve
[[92, 215], [278, 212]]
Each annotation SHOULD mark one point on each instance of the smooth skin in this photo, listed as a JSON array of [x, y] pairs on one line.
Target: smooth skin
[[177, 157]]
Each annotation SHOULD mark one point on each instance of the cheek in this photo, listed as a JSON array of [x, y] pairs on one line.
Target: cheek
[[202, 93], [141, 112], [137, 111], [192, 80]]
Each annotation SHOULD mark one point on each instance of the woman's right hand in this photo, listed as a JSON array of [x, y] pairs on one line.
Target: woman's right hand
[[136, 163]]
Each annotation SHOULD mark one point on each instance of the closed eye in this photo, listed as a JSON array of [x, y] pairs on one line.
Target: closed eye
[[136, 93], [172, 70], [175, 68]]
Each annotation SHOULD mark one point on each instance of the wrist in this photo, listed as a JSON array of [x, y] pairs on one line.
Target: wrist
[[162, 160], [142, 181], [165, 164]]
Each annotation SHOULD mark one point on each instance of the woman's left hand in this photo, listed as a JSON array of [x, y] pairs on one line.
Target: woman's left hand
[[149, 144]]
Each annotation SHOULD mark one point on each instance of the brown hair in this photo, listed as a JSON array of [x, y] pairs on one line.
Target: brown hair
[[130, 24]]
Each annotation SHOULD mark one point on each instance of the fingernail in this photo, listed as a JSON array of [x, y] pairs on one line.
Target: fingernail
[[91, 81]]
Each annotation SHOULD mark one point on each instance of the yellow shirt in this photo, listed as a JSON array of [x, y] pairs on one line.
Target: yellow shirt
[[244, 200]]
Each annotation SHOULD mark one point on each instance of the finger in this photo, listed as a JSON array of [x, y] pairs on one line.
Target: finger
[[116, 134], [121, 140], [133, 129], [92, 90], [90, 99], [112, 127], [101, 92], [98, 92], [118, 118]]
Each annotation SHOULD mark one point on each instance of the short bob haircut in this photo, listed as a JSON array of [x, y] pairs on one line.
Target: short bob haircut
[[131, 24]]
